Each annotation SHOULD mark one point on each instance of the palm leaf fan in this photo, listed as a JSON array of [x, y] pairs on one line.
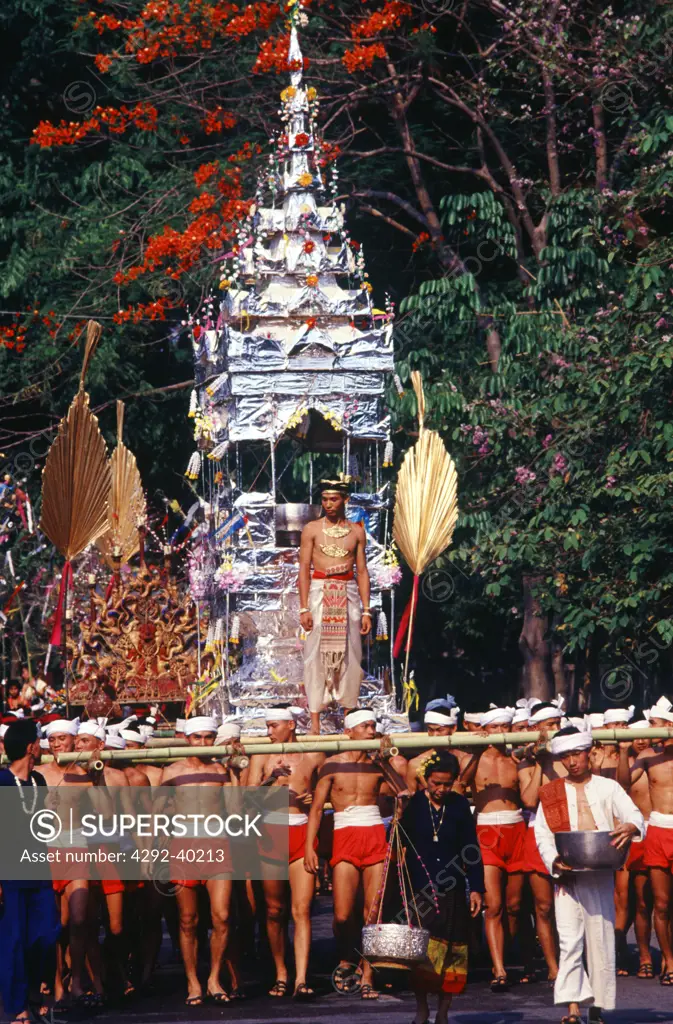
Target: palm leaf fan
[[426, 508], [76, 474], [126, 508]]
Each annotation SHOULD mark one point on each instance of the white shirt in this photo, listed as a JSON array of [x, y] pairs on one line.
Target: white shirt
[[607, 801]]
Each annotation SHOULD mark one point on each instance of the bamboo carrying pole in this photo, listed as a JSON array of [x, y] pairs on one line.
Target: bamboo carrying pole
[[402, 741]]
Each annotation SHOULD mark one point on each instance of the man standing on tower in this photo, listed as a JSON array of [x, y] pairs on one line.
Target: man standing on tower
[[334, 607]]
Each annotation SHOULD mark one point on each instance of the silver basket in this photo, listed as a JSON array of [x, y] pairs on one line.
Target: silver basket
[[395, 942]]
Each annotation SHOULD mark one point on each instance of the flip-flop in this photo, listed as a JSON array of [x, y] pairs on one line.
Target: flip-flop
[[645, 971], [303, 993], [194, 1001], [666, 979], [279, 990], [237, 994], [500, 984], [368, 992], [572, 1019], [218, 997]]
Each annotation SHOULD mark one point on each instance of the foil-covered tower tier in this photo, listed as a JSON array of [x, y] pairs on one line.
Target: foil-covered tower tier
[[290, 380]]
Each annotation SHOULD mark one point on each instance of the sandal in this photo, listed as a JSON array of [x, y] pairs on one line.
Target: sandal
[[237, 994], [500, 983], [194, 1001], [369, 992], [303, 993], [666, 979], [279, 990], [572, 1019], [623, 972], [218, 997], [528, 977], [645, 971]]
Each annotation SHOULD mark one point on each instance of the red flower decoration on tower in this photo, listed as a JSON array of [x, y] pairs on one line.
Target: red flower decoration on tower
[[302, 139]]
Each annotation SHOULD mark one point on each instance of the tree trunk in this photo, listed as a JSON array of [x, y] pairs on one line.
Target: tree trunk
[[534, 646]]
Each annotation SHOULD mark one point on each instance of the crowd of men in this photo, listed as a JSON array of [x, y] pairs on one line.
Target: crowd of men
[[505, 804]]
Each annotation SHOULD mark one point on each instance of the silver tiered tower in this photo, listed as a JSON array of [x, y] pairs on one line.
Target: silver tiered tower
[[290, 381]]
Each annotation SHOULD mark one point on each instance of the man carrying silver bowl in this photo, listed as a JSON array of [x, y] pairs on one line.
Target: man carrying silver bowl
[[584, 898]]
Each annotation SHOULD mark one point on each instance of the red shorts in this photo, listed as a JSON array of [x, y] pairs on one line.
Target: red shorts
[[297, 842], [361, 845], [533, 862], [636, 859], [110, 886], [502, 846], [74, 870], [658, 848], [212, 855]]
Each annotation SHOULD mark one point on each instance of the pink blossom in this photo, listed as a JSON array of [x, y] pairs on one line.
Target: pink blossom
[[524, 475], [661, 322], [547, 441], [610, 482], [560, 463]]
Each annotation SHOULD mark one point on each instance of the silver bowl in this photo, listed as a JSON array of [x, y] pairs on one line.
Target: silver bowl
[[395, 942], [590, 851]]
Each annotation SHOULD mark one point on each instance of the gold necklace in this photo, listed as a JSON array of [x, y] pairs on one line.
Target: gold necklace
[[436, 831], [338, 530], [334, 550]]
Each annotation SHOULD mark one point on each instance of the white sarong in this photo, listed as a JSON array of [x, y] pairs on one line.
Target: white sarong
[[346, 688]]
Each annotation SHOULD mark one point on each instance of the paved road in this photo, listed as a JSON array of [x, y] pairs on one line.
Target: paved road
[[640, 1002]]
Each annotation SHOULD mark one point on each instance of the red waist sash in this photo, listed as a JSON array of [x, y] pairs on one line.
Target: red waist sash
[[318, 574]]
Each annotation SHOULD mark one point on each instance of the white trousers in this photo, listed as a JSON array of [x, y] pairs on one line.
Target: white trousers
[[346, 689], [585, 919]]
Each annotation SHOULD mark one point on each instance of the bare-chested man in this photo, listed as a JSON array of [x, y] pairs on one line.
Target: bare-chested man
[[136, 741], [502, 832], [334, 607], [299, 773], [441, 719], [537, 768], [184, 775], [75, 897], [634, 876], [657, 763], [352, 782]]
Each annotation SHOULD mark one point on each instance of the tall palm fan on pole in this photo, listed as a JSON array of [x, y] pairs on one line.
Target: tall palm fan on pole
[[75, 491], [126, 505], [426, 511]]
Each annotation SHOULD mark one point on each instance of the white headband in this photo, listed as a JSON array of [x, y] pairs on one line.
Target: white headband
[[91, 729], [114, 741], [437, 718], [565, 744], [19, 713], [595, 720], [358, 718], [131, 736], [662, 709], [202, 723], [497, 716], [618, 715], [644, 723], [62, 725], [44, 744], [146, 730], [227, 731], [520, 715], [279, 715], [472, 716], [179, 724], [544, 713], [3, 730]]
